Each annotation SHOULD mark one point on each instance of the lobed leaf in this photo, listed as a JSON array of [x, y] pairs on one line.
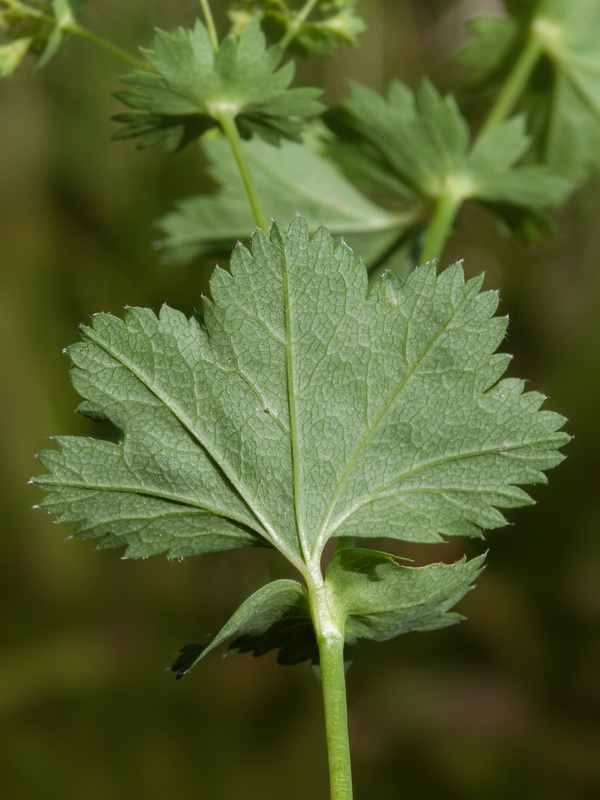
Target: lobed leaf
[[417, 148], [190, 87], [303, 406]]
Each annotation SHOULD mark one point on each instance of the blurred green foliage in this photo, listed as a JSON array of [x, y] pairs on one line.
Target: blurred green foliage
[[507, 704]]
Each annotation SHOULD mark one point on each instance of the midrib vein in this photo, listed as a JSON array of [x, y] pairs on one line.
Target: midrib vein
[[324, 530], [291, 387]]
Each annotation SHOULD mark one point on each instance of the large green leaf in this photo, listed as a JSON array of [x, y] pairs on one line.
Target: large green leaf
[[565, 89], [191, 87], [288, 178], [303, 406]]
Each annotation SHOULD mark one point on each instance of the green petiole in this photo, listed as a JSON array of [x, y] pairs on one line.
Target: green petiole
[[517, 80], [210, 25], [109, 47], [439, 229], [296, 21], [226, 120], [227, 123], [330, 640]]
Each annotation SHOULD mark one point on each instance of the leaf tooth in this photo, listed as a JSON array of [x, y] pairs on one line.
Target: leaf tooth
[[298, 231], [103, 324], [487, 302], [452, 279], [172, 318], [220, 281]]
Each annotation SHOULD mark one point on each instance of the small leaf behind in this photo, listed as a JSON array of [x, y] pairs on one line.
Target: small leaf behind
[[381, 599], [276, 617]]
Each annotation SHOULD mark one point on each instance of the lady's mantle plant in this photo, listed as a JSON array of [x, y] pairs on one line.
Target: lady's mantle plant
[[303, 406], [312, 400]]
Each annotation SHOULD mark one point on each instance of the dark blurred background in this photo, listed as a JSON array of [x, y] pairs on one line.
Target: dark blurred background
[[506, 704]]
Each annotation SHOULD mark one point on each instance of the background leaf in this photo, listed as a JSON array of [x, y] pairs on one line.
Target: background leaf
[[289, 178], [38, 28], [417, 148], [563, 95], [330, 24], [12, 54], [190, 86]]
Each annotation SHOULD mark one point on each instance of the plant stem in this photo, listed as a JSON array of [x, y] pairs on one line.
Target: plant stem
[[113, 49], [227, 122], [447, 205], [210, 25], [440, 226], [330, 640], [516, 81], [333, 680], [295, 23]]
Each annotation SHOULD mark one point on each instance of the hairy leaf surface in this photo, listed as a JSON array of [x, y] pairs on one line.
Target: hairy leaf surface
[[190, 87], [303, 406]]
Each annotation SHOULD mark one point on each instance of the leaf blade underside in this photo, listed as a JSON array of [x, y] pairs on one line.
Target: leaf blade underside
[[303, 405]]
